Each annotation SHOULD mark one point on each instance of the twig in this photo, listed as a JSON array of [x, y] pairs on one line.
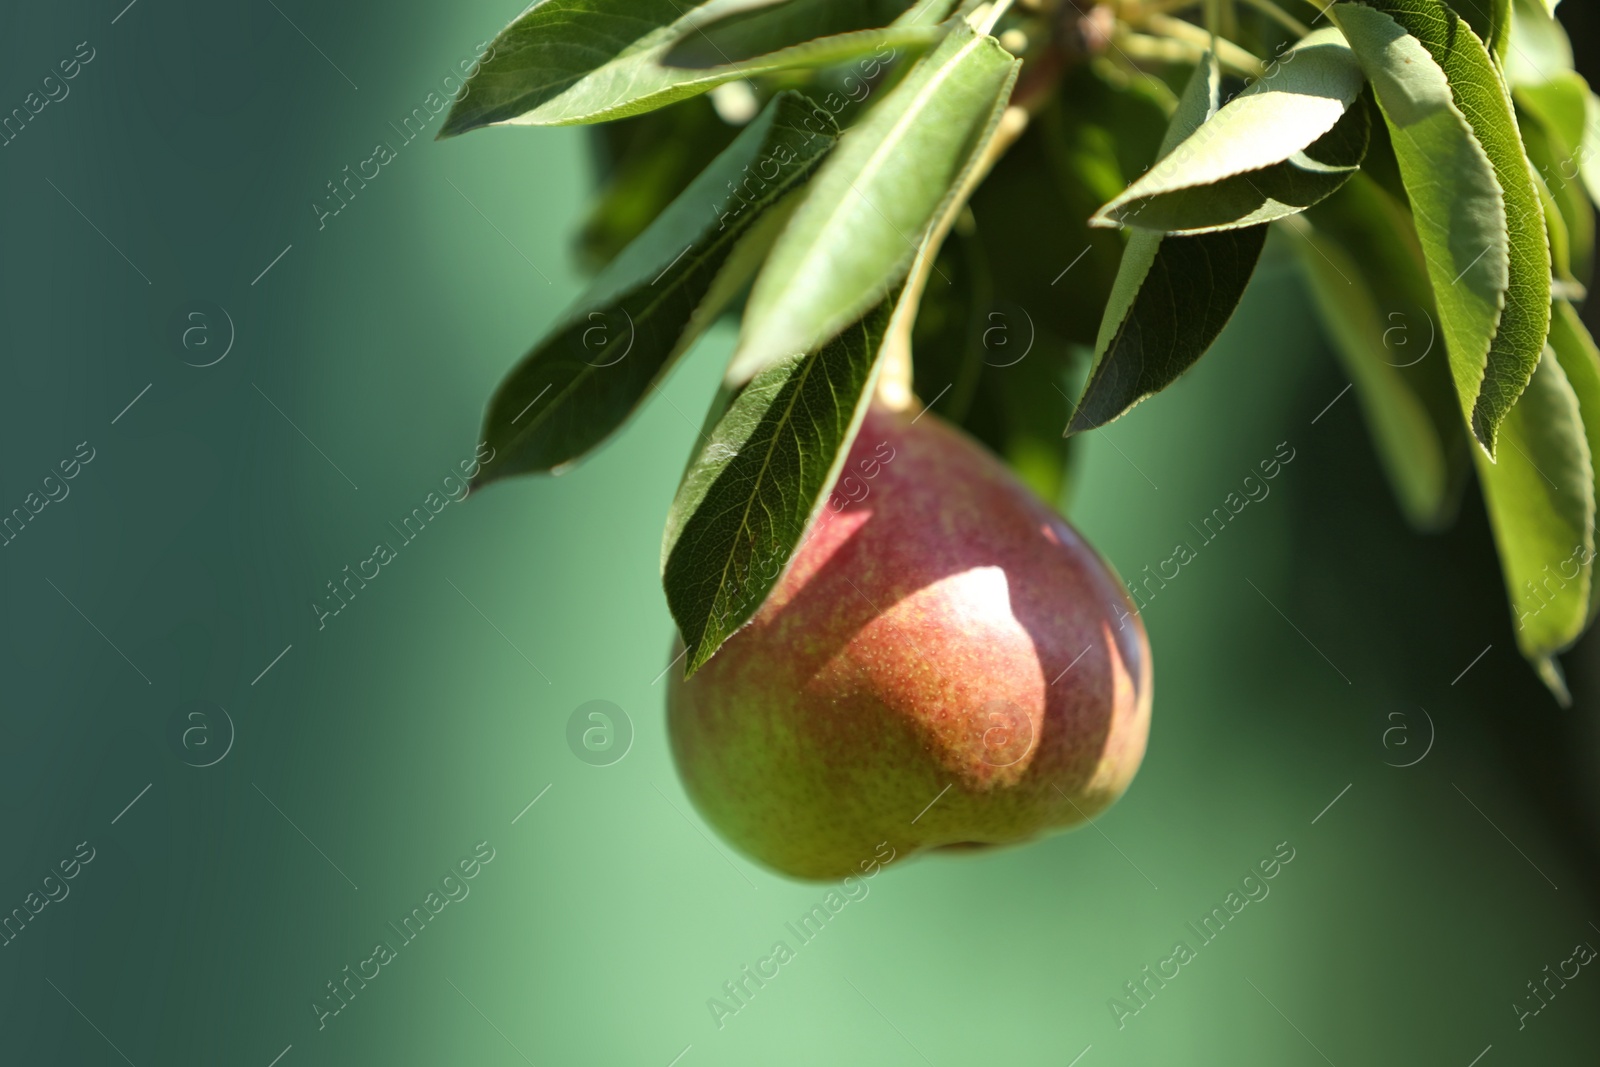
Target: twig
[[1228, 53], [1169, 50], [894, 375], [1280, 16]]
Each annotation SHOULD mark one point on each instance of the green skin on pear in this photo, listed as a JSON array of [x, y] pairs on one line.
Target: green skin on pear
[[945, 663]]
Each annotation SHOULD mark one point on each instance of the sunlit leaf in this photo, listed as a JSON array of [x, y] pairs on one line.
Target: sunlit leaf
[[1259, 196], [723, 33], [1589, 154], [893, 175], [1285, 142], [651, 302], [1539, 69], [1538, 48], [1576, 352], [1364, 265], [1559, 238], [1555, 133], [1497, 34], [1541, 501], [1561, 105], [1478, 212], [1548, 119], [1172, 295], [562, 62]]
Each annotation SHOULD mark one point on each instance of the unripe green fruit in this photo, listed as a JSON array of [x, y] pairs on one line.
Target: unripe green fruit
[[945, 663]]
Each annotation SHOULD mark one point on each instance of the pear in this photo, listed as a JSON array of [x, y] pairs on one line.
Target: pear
[[944, 664]]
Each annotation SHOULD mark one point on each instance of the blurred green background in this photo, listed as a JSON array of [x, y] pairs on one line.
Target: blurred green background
[[352, 766]]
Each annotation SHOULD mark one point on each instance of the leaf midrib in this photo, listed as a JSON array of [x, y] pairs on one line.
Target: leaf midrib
[[766, 461]]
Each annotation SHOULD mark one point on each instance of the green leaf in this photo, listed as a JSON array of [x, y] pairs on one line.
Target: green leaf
[[1364, 265], [1589, 153], [650, 303], [749, 495], [1559, 239], [865, 215], [1187, 290], [1554, 123], [1538, 47], [1541, 502], [1472, 191], [1285, 142], [754, 29], [1560, 103], [1576, 352], [1172, 295], [645, 162], [1498, 35], [1260, 196], [563, 62], [1539, 69], [1567, 113]]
